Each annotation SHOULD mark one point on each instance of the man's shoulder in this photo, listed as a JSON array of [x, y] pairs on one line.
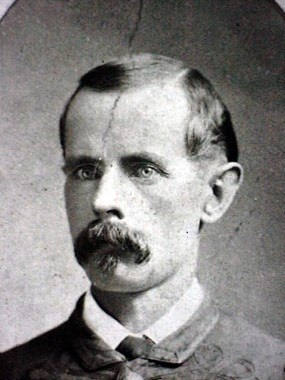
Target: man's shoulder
[[46, 347], [247, 335], [245, 345]]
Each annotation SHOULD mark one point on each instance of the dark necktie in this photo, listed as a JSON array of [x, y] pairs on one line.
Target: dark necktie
[[133, 347]]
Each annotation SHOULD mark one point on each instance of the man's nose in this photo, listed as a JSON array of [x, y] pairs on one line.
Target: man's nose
[[107, 202]]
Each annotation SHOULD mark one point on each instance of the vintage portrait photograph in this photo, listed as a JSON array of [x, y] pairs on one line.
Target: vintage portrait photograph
[[142, 190]]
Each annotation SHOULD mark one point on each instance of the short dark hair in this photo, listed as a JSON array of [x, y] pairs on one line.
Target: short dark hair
[[209, 121]]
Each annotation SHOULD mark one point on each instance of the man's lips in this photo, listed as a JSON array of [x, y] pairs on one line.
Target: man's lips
[[105, 248]]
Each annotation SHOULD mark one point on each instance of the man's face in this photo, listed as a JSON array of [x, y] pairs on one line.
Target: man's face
[[127, 167]]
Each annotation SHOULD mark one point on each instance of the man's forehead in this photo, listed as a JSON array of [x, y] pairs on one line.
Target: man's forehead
[[163, 105], [152, 118], [161, 99]]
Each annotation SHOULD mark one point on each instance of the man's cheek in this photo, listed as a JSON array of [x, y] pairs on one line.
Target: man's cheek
[[167, 200], [162, 209], [79, 210]]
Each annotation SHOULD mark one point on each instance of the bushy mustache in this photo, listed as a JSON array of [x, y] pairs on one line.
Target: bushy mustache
[[124, 241]]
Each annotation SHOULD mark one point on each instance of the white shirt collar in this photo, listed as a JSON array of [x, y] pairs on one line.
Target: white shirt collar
[[113, 333]]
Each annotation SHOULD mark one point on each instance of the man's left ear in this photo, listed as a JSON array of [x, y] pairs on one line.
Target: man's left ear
[[223, 184]]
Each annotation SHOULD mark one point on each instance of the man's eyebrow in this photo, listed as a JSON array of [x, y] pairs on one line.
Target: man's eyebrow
[[144, 157], [74, 161]]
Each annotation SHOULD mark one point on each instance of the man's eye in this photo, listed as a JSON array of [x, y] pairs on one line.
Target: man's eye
[[145, 172], [87, 172]]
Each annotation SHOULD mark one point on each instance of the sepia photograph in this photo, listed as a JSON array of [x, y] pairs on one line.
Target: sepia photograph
[[142, 190]]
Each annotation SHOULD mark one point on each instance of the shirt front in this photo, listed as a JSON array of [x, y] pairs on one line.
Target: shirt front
[[113, 333]]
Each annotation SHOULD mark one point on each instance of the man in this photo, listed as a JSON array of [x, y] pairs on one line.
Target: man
[[150, 157]]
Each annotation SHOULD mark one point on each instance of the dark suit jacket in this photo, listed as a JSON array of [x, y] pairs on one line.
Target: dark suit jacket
[[210, 346]]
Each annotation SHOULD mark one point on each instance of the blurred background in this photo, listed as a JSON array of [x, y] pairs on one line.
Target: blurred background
[[45, 47]]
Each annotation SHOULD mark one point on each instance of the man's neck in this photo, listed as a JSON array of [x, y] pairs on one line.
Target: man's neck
[[137, 311]]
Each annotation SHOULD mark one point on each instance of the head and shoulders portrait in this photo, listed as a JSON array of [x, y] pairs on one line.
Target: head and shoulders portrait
[[151, 162]]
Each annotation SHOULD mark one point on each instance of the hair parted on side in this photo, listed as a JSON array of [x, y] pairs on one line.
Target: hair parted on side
[[210, 122]]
